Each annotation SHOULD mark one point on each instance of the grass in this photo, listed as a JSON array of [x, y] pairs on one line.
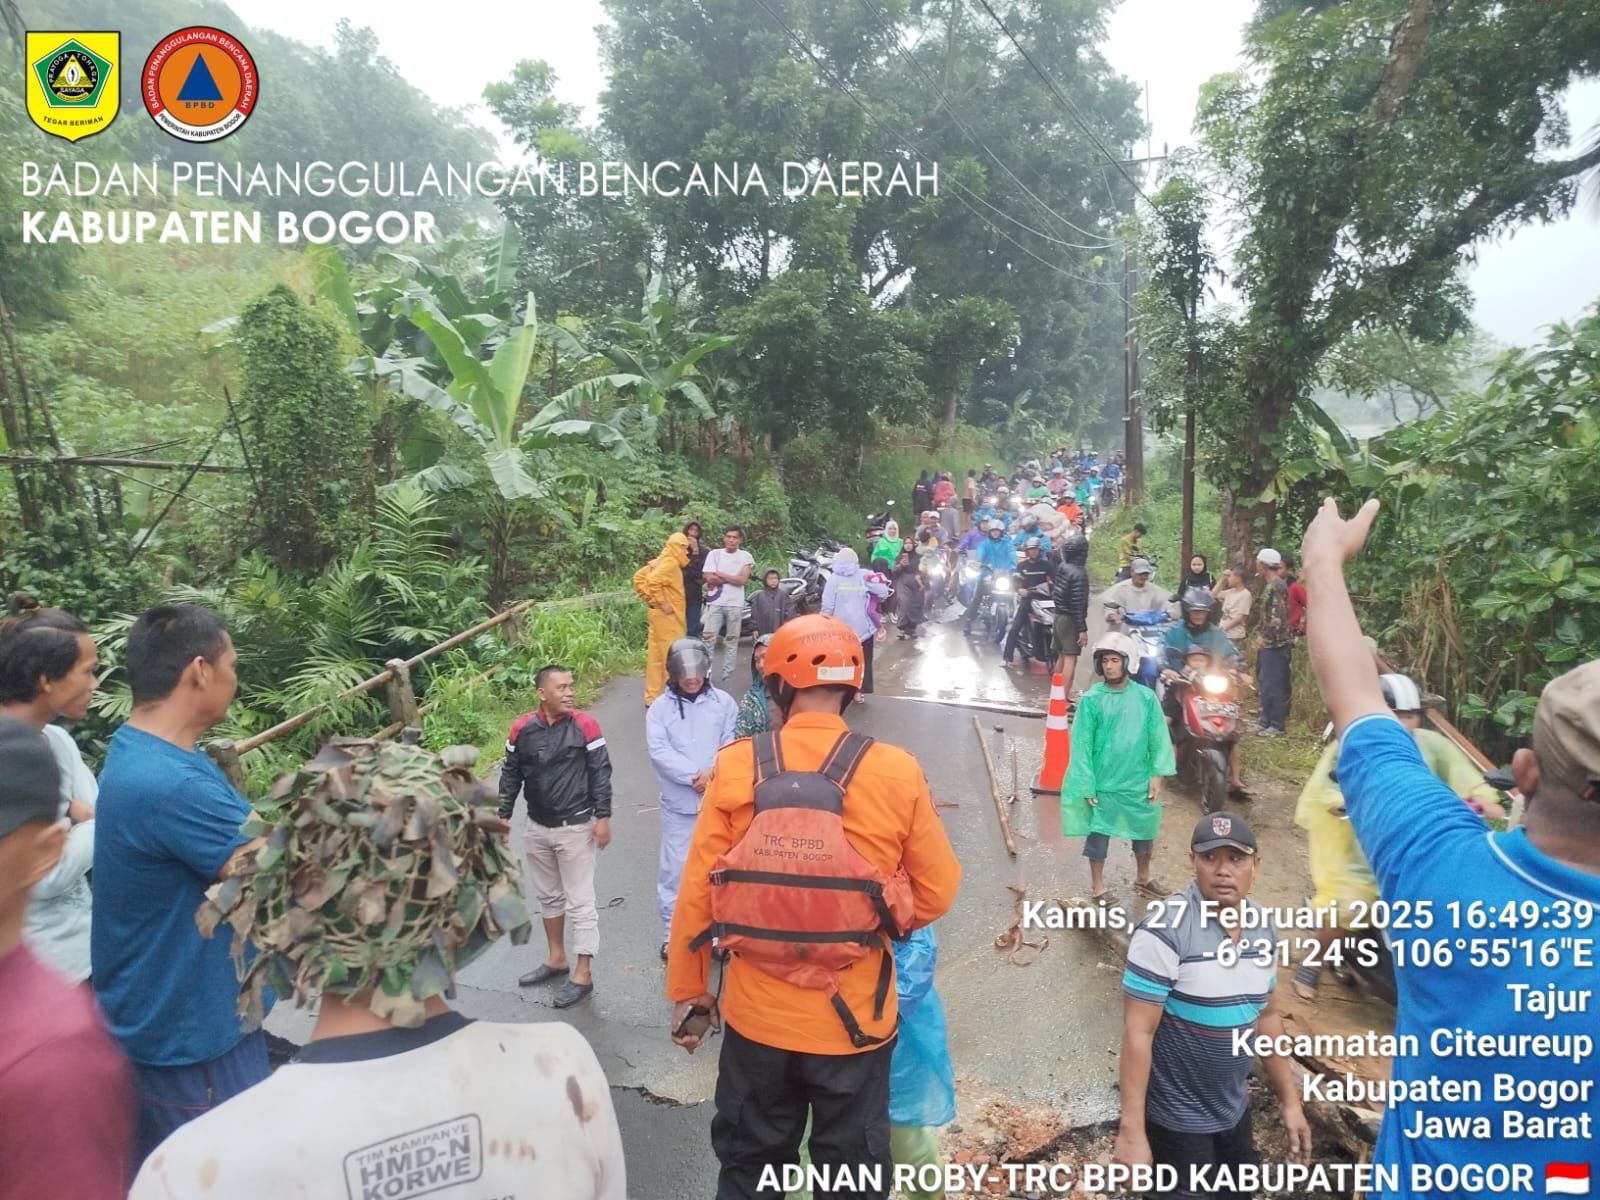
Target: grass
[[1161, 512]]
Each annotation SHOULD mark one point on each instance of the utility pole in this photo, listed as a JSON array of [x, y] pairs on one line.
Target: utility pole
[[1132, 417]]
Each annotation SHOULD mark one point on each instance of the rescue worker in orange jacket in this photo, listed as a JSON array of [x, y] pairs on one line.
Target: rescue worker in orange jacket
[[788, 1052], [659, 584]]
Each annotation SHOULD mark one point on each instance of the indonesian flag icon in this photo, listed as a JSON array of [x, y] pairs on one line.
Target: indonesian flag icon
[[1566, 1179]]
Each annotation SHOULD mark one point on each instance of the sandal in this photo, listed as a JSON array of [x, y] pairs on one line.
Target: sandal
[[570, 994], [1240, 793], [543, 973], [1155, 888]]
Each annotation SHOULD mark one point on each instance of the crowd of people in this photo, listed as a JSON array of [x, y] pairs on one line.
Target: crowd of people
[[802, 866]]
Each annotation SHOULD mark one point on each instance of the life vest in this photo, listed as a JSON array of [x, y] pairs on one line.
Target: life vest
[[793, 897]]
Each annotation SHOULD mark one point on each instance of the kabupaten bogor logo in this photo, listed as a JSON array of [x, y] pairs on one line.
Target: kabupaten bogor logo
[[71, 89]]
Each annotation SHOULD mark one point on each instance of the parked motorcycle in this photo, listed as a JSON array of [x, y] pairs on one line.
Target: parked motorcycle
[[809, 574], [1206, 731], [877, 521]]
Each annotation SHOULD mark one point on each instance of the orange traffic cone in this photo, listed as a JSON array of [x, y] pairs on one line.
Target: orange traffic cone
[[1057, 739]]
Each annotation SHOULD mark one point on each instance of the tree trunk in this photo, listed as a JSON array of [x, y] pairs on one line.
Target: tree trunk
[[1243, 527], [499, 530], [27, 501]]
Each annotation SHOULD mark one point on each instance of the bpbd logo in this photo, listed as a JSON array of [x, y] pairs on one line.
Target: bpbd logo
[[200, 84]]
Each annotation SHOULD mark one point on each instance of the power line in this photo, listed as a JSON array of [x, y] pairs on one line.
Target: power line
[[944, 99], [1072, 110], [906, 141]]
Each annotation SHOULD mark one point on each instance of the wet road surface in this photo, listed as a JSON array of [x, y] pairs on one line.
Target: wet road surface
[[1043, 1035]]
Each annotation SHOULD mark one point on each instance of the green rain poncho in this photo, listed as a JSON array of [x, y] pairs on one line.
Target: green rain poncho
[[1119, 741]]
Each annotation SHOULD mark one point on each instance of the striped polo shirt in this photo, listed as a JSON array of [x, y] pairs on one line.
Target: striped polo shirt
[[1197, 1082]]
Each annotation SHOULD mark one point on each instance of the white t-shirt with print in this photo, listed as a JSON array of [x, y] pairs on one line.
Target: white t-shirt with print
[[727, 562], [484, 1112]]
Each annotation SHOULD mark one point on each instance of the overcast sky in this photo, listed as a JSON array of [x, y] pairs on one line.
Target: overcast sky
[[1521, 283]]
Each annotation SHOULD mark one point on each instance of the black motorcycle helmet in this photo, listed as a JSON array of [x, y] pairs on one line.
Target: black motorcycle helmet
[[1196, 600]]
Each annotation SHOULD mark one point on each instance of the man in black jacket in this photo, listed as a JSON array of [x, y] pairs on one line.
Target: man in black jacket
[[1071, 594], [556, 758]]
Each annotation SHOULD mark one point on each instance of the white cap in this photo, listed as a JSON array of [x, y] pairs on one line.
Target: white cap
[[1269, 556]]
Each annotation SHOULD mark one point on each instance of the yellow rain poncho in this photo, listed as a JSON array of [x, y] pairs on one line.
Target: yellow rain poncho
[[1339, 870], [658, 582]]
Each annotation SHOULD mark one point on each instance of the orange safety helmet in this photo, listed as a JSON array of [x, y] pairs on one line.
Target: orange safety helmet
[[815, 651]]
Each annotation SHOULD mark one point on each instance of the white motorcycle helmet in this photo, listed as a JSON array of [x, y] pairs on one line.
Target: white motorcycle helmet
[[1114, 643]]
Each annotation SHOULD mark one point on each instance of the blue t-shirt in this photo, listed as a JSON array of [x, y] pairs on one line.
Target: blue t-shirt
[[1424, 844], [166, 822]]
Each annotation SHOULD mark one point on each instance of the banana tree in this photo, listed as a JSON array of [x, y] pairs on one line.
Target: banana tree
[[484, 401], [652, 369]]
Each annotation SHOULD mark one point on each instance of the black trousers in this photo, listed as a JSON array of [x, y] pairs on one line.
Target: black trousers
[[1021, 634], [763, 1097], [1171, 1147]]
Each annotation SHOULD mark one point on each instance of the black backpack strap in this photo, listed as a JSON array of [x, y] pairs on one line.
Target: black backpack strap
[[840, 766], [769, 756], [880, 996], [858, 1038], [885, 981]]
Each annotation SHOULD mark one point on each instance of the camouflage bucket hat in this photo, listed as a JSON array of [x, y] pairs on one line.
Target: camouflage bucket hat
[[385, 868]]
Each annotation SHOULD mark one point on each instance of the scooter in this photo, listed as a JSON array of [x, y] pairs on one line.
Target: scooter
[[1206, 731], [999, 605], [1040, 644], [1148, 629]]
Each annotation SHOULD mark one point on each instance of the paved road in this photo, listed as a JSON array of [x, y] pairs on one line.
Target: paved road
[[1042, 1035]]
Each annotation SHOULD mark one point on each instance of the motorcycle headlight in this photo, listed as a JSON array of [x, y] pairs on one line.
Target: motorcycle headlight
[[1002, 584], [1215, 684], [991, 501], [969, 573], [936, 571]]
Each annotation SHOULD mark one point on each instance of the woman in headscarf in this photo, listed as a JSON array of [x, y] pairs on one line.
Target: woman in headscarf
[[756, 714], [846, 597], [889, 544], [910, 598], [1198, 576], [694, 584], [659, 583]]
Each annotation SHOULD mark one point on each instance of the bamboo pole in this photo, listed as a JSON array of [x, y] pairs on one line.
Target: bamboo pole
[[113, 460], [994, 787], [592, 600]]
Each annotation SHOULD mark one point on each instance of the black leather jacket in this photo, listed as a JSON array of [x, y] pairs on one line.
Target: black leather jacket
[[564, 770], [1071, 594]]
